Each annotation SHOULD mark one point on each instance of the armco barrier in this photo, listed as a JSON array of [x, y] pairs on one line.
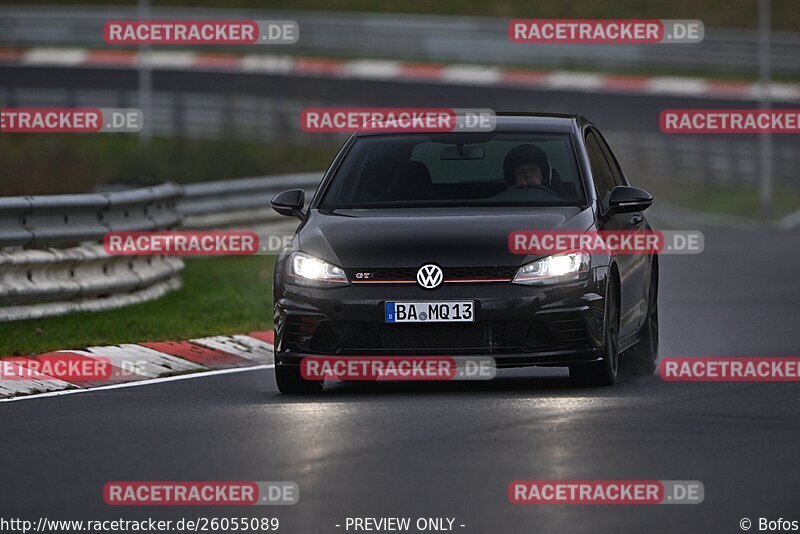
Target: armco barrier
[[40, 283], [66, 219], [51, 262], [227, 202]]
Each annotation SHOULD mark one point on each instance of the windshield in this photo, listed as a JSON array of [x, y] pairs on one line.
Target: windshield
[[445, 169]]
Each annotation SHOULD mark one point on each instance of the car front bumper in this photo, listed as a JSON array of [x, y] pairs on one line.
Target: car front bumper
[[516, 325]]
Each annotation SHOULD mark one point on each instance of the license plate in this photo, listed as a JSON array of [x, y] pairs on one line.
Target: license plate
[[430, 312]]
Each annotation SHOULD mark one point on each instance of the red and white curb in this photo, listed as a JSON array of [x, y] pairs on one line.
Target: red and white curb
[[149, 361], [400, 71]]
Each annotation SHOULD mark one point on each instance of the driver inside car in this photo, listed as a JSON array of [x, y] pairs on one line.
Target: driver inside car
[[527, 173], [528, 166]]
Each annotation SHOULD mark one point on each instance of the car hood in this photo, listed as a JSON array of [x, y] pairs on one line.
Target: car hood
[[411, 237]]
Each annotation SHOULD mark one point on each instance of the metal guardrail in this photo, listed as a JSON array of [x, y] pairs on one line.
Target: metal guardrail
[[60, 219], [39, 280], [48, 268], [429, 37], [227, 202], [42, 283]]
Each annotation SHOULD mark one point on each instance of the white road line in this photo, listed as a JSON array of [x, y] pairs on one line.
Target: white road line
[[678, 85], [169, 60], [373, 68], [471, 74], [139, 383], [577, 81], [266, 63], [55, 56]]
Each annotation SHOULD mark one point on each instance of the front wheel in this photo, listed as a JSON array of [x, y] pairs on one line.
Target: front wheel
[[604, 372], [291, 382], [644, 355]]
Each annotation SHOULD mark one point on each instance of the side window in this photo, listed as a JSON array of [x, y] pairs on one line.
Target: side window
[[601, 170], [616, 171]]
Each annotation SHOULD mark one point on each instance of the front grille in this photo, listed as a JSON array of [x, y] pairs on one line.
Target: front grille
[[460, 273], [489, 336], [450, 273]]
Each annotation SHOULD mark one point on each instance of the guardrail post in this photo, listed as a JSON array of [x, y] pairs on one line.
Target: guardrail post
[[145, 81], [765, 102]]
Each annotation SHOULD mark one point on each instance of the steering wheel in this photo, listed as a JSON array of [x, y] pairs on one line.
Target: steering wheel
[[533, 192], [533, 186]]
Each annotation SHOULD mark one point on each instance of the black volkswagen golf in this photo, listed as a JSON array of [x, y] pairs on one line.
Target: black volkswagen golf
[[403, 250]]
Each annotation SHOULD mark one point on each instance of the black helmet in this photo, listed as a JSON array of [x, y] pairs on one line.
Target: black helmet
[[522, 154]]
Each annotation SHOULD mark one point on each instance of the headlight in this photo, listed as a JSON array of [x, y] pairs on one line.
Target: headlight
[[307, 270], [554, 269]]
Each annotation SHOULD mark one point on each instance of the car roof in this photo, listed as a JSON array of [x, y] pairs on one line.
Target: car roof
[[555, 122], [515, 122]]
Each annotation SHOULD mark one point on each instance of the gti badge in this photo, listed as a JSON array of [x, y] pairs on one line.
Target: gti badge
[[430, 276]]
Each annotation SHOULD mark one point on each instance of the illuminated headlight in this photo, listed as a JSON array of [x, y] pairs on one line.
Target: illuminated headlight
[[310, 271], [554, 269]]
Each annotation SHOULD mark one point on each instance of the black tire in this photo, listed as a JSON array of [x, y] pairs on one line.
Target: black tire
[[291, 382], [643, 357], [604, 372]]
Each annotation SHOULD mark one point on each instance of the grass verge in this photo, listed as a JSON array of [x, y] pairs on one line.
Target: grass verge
[[63, 163], [224, 295]]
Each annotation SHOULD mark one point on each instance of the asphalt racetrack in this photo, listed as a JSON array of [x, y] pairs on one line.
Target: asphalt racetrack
[[451, 450]]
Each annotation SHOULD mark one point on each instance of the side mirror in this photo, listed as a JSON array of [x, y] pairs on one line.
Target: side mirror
[[626, 199], [290, 203]]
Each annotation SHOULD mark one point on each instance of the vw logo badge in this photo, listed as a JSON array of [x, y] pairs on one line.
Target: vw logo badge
[[430, 276]]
